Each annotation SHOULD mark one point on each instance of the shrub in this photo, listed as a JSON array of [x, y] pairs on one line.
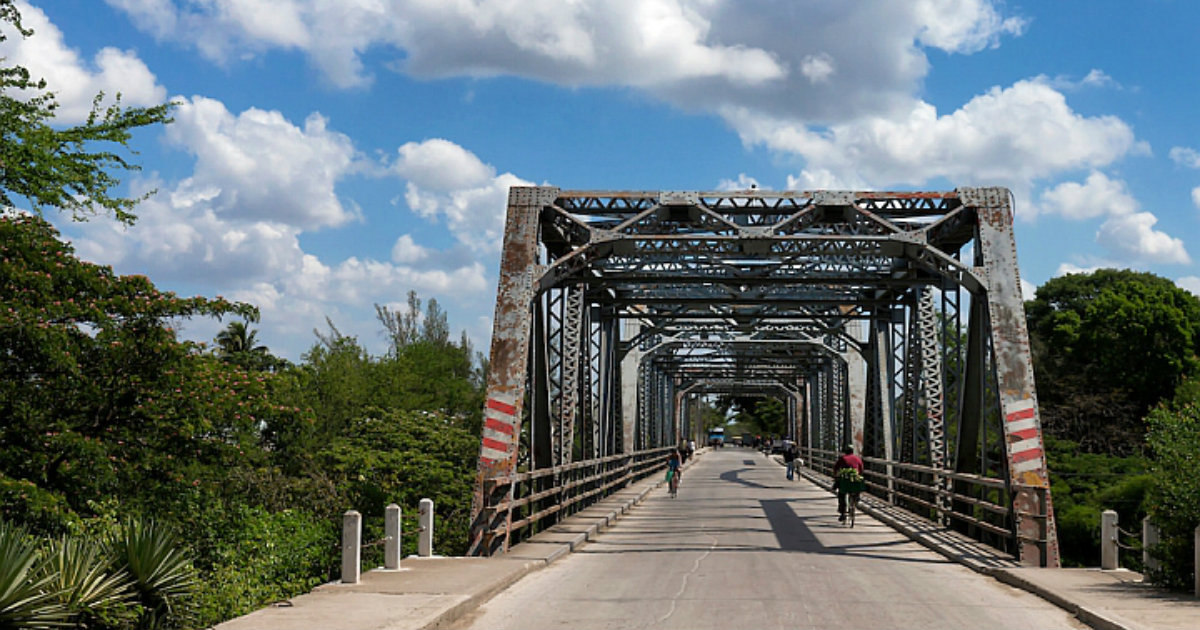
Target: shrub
[[1174, 439], [264, 557]]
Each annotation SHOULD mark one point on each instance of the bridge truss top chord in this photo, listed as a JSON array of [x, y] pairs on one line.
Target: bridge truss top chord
[[889, 321]]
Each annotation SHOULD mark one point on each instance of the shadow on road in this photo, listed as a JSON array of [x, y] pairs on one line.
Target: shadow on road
[[793, 534], [732, 476]]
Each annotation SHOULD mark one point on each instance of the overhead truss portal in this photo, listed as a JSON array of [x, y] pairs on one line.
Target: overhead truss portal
[[892, 321]]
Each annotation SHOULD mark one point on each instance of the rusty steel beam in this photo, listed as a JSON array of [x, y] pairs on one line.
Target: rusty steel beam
[[507, 367], [1037, 536]]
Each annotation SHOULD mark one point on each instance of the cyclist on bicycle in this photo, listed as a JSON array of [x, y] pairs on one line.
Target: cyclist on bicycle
[[674, 470], [848, 460]]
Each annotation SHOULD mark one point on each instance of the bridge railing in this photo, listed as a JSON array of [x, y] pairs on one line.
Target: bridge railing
[[982, 507], [542, 496]]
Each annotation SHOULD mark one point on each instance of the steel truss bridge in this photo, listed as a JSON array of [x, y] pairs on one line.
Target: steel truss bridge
[[891, 321]]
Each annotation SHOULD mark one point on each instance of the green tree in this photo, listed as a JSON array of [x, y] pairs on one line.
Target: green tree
[[93, 382], [1174, 440], [401, 457], [1107, 347], [56, 167], [760, 415], [238, 338], [1084, 485], [238, 344]]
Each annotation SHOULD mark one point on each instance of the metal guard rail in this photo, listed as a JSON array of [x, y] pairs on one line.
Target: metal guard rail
[[822, 461], [601, 471]]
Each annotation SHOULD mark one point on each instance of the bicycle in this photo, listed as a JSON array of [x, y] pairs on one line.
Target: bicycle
[[672, 483], [851, 483], [851, 508]]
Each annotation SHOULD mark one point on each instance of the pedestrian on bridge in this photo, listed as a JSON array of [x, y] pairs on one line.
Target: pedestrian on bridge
[[847, 460], [789, 458]]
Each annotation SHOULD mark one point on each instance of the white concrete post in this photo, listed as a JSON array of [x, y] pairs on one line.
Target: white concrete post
[[1196, 565], [1149, 539], [425, 538], [391, 533], [351, 547], [1108, 540]]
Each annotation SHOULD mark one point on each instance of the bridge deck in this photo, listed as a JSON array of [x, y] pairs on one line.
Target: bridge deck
[[740, 547], [743, 547]]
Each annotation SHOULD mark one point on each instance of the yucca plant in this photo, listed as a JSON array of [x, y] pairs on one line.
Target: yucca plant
[[89, 581], [26, 601], [159, 569]]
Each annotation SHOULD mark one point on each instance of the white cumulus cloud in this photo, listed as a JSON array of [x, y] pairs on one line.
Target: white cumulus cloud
[[963, 25], [1009, 136], [406, 250], [866, 57], [1133, 236], [441, 165], [1127, 232], [743, 182], [1098, 196], [818, 68], [445, 181], [74, 81], [627, 41], [1185, 156], [257, 164], [1190, 283], [1028, 290], [235, 225]]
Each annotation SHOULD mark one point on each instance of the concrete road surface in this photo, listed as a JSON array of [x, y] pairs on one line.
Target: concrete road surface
[[742, 547]]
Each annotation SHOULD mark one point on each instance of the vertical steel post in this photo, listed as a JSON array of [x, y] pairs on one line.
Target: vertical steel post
[[856, 393], [1014, 373], [572, 337], [883, 353], [933, 401], [507, 370]]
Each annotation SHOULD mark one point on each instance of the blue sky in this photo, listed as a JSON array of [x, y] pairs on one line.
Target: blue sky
[[329, 156]]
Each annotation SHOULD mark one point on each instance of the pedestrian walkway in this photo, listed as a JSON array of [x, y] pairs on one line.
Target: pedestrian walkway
[[437, 592]]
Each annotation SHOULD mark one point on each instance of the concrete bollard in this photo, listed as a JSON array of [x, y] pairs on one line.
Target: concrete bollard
[[1108, 540], [1149, 539], [351, 547], [391, 533], [425, 538]]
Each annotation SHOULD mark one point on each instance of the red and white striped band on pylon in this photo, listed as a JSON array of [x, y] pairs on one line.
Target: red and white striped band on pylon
[[499, 429], [1020, 422]]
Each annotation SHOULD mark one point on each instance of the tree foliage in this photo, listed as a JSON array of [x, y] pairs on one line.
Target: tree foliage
[[760, 415], [1084, 485], [1107, 347], [106, 415], [94, 379], [1174, 440], [57, 168]]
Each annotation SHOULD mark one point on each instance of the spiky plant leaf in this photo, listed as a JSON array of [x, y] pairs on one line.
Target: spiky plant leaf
[[85, 576], [25, 602], [161, 571]]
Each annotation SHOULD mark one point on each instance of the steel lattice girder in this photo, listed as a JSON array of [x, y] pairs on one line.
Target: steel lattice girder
[[712, 279]]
